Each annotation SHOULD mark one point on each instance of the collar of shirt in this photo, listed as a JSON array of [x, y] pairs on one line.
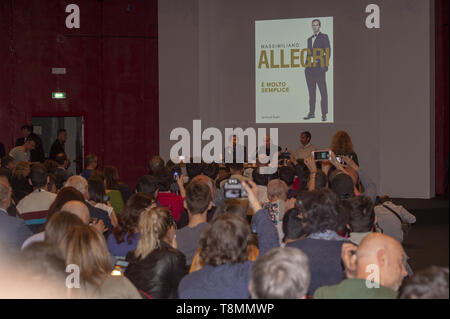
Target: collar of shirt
[[306, 146], [4, 211], [39, 190], [326, 235]]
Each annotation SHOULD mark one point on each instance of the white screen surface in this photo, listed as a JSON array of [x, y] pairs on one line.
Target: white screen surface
[[285, 51]]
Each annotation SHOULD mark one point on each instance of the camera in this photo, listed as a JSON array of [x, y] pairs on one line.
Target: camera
[[321, 155], [340, 159], [234, 189]]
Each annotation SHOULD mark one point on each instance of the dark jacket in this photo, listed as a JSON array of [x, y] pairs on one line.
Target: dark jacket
[[230, 281], [98, 213], [159, 274], [21, 188], [57, 147], [324, 261], [322, 42], [125, 191]]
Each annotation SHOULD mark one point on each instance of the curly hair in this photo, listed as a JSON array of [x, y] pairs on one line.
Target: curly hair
[[341, 143], [225, 241], [322, 211], [129, 218]]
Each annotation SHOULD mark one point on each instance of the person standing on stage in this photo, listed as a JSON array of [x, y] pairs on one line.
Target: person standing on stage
[[316, 73]]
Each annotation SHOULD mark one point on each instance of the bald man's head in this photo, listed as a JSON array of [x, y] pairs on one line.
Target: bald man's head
[[387, 254], [77, 208]]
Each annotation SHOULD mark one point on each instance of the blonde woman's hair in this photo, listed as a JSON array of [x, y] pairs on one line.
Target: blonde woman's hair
[[84, 246], [153, 226], [21, 170], [341, 143]]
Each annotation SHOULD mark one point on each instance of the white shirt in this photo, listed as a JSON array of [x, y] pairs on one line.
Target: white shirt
[[38, 200]]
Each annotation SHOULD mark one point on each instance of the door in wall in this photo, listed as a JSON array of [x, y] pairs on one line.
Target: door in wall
[[47, 129]]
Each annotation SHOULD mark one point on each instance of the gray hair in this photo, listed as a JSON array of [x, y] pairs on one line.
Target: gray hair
[[277, 189], [79, 183], [282, 273]]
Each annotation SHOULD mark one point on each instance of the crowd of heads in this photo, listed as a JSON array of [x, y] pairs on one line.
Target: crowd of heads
[[336, 205]]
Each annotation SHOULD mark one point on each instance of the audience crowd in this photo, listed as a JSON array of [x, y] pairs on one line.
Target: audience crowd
[[314, 229]]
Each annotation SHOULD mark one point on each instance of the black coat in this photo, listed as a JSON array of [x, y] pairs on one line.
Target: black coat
[[159, 274]]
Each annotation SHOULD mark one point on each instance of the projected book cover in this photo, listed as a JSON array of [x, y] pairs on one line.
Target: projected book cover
[[294, 70]]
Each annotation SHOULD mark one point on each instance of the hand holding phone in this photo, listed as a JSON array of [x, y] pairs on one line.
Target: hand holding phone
[[321, 155]]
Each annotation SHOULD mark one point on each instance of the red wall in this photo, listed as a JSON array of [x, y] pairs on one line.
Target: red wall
[[112, 74]]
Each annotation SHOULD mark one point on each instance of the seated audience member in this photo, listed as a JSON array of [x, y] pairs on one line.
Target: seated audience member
[[375, 250], [282, 273], [112, 181], [39, 273], [212, 171], [70, 202], [197, 203], [11, 210], [224, 251], [429, 283], [99, 199], [125, 236], [156, 266], [287, 175], [304, 151], [20, 182], [323, 217], [34, 207], [230, 207], [81, 185], [361, 218], [346, 185], [114, 196], [276, 205], [342, 145], [261, 181], [389, 223], [236, 171], [7, 165], [22, 153], [61, 222], [184, 217], [63, 164], [193, 170], [51, 185], [148, 184], [165, 197], [86, 247], [91, 163], [317, 178], [13, 231], [292, 226], [175, 171], [51, 166], [155, 164]]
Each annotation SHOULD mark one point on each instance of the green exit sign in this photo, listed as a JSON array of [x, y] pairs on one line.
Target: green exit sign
[[59, 95]]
